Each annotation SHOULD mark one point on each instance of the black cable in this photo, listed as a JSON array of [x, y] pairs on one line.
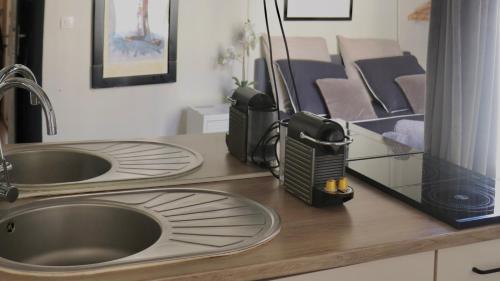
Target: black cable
[[272, 71], [276, 148], [272, 61], [276, 138], [273, 126], [262, 144], [269, 130], [271, 168], [271, 140], [287, 54]]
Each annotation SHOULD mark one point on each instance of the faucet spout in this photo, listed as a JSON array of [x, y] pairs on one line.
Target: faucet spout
[[33, 88], [23, 71], [8, 191]]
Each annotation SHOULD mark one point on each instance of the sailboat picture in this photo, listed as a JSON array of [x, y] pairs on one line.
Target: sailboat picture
[[140, 39], [136, 38]]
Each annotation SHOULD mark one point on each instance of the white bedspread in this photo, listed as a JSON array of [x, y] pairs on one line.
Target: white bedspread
[[408, 132]]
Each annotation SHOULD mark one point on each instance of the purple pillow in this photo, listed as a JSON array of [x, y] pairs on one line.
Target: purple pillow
[[306, 72], [379, 76]]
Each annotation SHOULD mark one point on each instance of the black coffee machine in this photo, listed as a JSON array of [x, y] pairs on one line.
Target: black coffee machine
[[315, 158], [252, 123]]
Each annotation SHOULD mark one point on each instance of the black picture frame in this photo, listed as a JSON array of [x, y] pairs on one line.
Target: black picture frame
[[98, 81], [288, 18]]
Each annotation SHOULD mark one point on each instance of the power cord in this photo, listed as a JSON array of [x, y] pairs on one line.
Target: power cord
[[276, 98], [262, 146], [269, 139], [287, 55]]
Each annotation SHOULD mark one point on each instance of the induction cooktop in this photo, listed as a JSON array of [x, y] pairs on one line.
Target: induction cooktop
[[455, 195]]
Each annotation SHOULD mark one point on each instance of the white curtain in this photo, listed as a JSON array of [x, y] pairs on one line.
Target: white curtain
[[463, 83]]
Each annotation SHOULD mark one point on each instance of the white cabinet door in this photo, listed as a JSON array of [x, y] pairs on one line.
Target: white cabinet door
[[418, 267], [456, 263]]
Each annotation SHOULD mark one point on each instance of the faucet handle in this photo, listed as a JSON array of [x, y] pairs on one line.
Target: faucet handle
[[4, 167], [8, 192], [25, 72]]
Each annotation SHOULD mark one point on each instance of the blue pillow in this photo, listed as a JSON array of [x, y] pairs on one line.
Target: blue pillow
[[380, 75], [306, 72]]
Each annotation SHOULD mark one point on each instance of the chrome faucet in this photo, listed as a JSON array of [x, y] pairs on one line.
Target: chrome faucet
[[25, 72], [9, 192]]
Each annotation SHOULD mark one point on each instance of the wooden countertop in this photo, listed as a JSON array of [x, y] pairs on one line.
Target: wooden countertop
[[372, 226]]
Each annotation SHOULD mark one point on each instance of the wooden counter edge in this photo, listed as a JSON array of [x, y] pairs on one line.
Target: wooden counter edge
[[282, 268], [333, 260]]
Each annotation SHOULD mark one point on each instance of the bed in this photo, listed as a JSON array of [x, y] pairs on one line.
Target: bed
[[381, 90]]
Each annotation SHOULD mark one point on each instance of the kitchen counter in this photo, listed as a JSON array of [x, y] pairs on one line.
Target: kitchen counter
[[218, 165], [373, 226]]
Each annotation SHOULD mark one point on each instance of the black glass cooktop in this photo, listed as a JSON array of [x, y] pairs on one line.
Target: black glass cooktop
[[448, 192]]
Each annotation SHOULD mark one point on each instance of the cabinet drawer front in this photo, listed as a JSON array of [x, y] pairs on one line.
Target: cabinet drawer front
[[456, 263], [418, 267]]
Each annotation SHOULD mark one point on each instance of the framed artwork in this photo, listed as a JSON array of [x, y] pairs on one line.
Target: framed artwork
[[134, 42], [318, 10]]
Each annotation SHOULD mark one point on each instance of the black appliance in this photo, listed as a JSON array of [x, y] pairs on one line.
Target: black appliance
[[453, 194], [252, 122], [315, 152]]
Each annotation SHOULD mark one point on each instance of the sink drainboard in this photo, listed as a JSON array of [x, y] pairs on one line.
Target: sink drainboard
[[61, 164], [192, 223]]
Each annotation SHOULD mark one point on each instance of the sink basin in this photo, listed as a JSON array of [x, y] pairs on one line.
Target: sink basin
[[78, 234], [40, 167], [55, 166], [84, 232]]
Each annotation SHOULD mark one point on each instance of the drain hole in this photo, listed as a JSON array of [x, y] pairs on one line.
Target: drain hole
[[11, 227]]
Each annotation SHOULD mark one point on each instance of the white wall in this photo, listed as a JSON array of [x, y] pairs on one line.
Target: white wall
[[205, 27], [370, 19], [413, 35], [142, 111]]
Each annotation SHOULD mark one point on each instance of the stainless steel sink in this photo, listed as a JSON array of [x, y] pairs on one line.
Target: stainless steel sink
[[77, 234], [95, 231], [55, 166]]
